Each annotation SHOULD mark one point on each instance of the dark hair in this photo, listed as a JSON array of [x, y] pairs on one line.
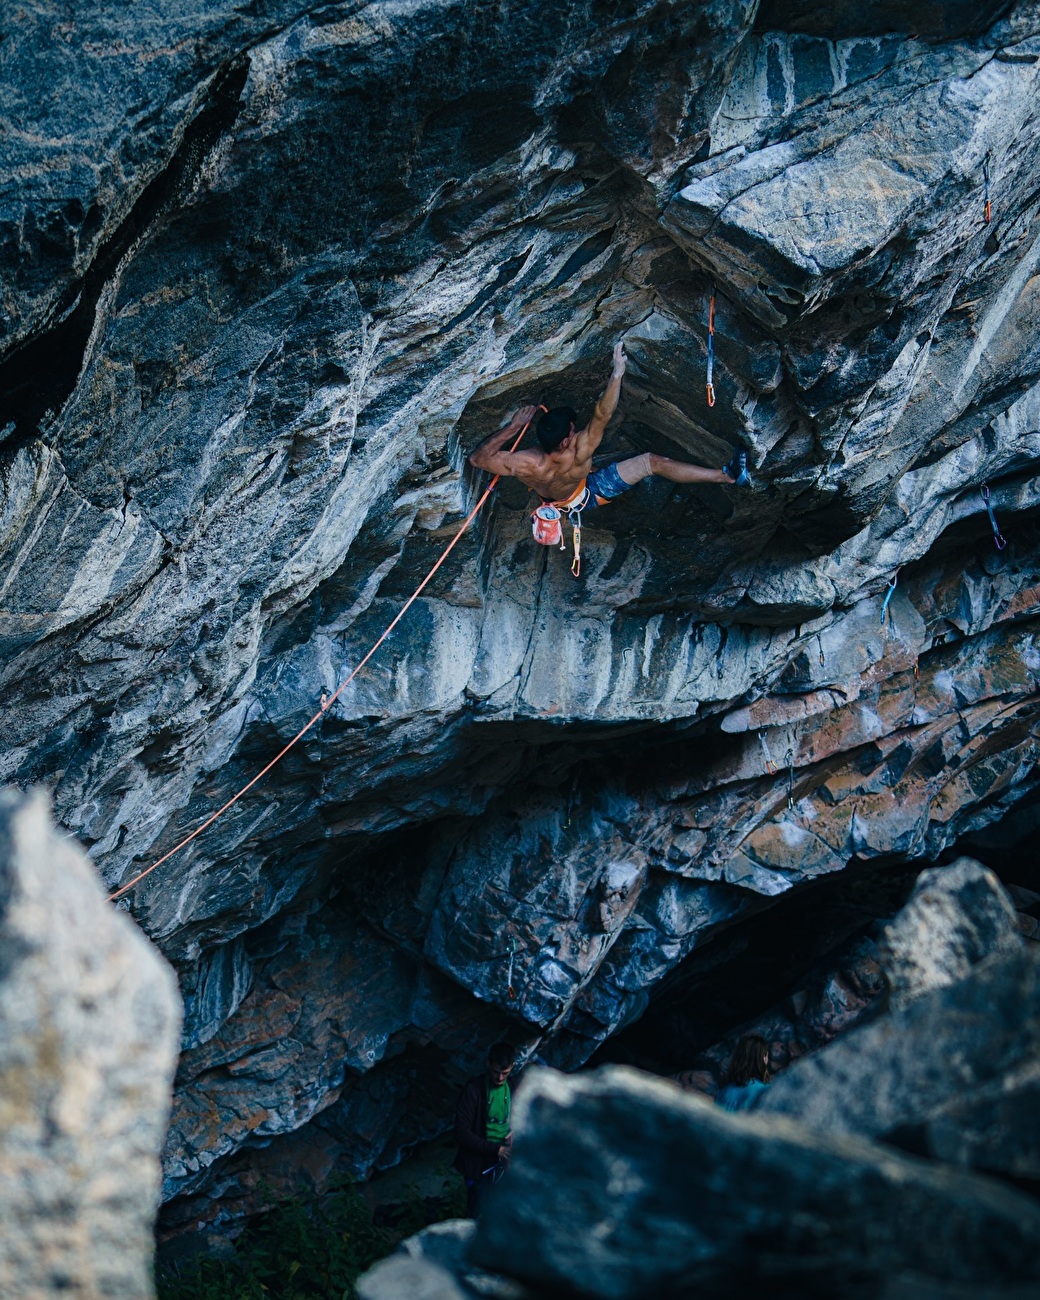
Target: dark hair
[[502, 1056], [555, 425], [748, 1060]]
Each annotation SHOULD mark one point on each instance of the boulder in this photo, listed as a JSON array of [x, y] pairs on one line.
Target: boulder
[[623, 1186], [996, 1128], [902, 1068], [433, 1265], [956, 917], [89, 1025]]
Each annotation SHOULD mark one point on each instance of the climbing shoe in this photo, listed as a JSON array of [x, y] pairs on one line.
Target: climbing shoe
[[737, 469]]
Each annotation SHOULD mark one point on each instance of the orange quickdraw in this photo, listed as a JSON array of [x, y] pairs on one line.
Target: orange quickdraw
[[711, 348]]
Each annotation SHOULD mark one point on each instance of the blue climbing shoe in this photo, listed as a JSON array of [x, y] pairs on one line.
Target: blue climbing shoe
[[737, 469]]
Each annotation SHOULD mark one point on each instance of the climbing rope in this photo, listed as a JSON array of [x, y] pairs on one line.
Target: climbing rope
[[999, 540], [892, 583], [326, 701], [711, 347]]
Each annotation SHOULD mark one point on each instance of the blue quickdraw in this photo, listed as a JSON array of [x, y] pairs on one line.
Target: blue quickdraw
[[711, 348], [888, 596], [999, 540]]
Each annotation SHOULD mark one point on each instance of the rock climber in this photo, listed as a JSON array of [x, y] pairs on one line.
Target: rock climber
[[482, 1126], [748, 1075], [562, 474]]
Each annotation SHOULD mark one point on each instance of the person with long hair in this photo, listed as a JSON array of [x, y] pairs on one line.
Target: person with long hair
[[748, 1075]]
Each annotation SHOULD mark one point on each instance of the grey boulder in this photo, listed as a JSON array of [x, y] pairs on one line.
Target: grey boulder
[[622, 1186], [89, 1026], [957, 916], [951, 1057]]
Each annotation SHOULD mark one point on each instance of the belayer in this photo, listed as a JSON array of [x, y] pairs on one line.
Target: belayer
[[561, 473], [483, 1127]]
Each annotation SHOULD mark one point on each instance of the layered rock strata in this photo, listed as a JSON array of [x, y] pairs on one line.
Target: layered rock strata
[[270, 273], [89, 1026]]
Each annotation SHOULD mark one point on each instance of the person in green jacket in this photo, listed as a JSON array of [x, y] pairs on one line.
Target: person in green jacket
[[483, 1126]]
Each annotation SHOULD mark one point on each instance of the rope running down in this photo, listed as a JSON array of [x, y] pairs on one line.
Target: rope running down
[[326, 703]]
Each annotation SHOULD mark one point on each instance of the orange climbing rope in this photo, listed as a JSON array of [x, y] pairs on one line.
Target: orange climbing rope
[[326, 704]]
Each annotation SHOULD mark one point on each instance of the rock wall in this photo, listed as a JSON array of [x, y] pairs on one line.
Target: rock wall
[[89, 1023], [269, 273]]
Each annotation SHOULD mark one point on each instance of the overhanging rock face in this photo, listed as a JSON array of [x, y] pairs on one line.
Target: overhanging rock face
[[269, 276]]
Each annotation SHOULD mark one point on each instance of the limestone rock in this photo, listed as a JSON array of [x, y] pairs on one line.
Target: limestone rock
[[89, 1020], [957, 916], [903, 1068], [995, 1128], [403, 1275], [609, 1162], [270, 272]]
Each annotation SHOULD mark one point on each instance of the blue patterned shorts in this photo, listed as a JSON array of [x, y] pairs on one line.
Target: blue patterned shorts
[[604, 485]]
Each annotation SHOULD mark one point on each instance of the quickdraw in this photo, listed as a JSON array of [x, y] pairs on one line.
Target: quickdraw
[[892, 583], [711, 348], [999, 540], [789, 760], [987, 211], [771, 767], [547, 524], [510, 990], [819, 642]]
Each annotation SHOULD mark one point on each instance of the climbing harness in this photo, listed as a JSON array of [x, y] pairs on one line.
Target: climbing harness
[[892, 582], [999, 540], [711, 348], [547, 522], [987, 211], [771, 767], [326, 703], [510, 990], [789, 760]]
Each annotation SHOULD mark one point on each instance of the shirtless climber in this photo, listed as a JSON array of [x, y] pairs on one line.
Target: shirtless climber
[[562, 474]]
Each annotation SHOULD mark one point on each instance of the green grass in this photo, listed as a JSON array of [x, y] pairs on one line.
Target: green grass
[[313, 1248]]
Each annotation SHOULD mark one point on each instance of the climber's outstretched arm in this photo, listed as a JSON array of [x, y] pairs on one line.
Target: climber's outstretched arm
[[492, 455], [590, 437]]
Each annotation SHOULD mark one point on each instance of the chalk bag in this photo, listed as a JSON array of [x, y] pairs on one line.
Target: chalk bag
[[547, 528]]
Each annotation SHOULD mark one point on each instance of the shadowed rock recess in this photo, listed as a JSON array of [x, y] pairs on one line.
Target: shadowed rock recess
[[270, 271]]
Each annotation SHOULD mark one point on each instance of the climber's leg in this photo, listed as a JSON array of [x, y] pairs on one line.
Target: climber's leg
[[677, 471], [609, 482]]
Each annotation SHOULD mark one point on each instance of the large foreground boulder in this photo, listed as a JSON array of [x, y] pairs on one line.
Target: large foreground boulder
[[623, 1186], [89, 1028], [956, 917], [891, 1076]]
